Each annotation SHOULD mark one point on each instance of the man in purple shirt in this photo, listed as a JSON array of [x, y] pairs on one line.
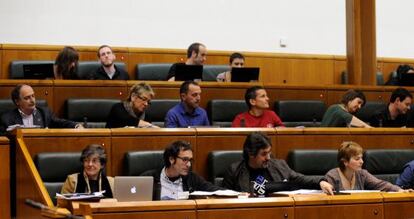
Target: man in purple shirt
[[187, 113]]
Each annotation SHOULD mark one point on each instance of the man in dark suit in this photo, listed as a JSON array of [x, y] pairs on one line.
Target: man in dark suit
[[28, 115]]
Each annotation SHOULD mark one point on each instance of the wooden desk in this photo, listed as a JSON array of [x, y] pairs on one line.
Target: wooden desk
[[5, 178], [367, 205], [272, 208], [398, 205], [138, 210]]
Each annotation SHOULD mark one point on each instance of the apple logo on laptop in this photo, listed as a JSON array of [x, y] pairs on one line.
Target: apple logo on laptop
[[133, 190]]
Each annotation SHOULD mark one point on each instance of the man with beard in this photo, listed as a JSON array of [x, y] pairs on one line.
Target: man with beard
[[28, 115], [187, 113], [196, 55], [108, 70], [176, 178], [260, 174], [395, 113]]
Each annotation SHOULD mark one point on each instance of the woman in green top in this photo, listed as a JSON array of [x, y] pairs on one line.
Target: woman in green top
[[341, 115]]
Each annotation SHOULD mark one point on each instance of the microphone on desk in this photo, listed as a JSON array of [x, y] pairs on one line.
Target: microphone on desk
[[43, 207]]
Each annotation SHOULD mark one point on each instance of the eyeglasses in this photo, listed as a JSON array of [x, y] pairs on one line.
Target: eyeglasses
[[186, 159], [93, 160]]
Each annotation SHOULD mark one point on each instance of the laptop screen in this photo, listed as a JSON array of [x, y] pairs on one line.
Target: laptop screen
[[185, 72], [38, 71], [247, 74], [407, 79], [133, 188]]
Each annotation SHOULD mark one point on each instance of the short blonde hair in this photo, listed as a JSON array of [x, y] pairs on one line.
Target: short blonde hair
[[139, 89], [347, 150]]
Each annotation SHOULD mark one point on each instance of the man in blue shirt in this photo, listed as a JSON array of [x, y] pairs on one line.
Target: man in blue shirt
[[187, 113]]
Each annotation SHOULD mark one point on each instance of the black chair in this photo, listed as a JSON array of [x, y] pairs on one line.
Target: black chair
[[153, 71], [86, 69], [387, 164], [218, 162], [55, 167], [308, 113], [138, 162], [7, 104], [222, 112], [210, 72], [16, 70], [156, 112], [93, 112], [312, 162], [369, 109]]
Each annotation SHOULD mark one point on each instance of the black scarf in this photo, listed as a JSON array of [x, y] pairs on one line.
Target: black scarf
[[81, 186]]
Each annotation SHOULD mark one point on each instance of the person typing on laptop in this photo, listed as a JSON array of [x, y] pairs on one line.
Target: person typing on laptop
[[175, 179], [92, 177], [236, 61], [196, 55]]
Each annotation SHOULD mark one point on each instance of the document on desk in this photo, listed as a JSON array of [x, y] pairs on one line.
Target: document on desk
[[217, 193], [81, 196], [359, 191], [299, 192]]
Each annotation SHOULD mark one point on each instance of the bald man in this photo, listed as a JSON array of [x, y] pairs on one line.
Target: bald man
[[28, 115]]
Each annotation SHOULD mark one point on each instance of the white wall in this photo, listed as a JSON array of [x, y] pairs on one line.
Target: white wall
[[316, 26]]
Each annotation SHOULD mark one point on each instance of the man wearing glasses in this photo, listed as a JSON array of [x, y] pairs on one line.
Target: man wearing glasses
[[188, 112], [176, 179], [132, 111], [108, 70]]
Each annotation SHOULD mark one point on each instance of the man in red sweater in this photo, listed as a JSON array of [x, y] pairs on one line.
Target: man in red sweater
[[258, 115]]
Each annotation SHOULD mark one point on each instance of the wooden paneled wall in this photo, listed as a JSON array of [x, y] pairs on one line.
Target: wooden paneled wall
[[303, 69]]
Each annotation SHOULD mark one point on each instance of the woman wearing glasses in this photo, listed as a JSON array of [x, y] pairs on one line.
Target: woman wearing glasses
[[350, 175], [132, 111], [92, 178]]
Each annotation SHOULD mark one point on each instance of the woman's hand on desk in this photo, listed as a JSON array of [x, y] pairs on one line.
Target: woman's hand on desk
[[326, 187]]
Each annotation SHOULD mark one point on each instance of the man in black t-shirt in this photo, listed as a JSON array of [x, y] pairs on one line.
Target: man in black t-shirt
[[196, 55], [108, 70], [395, 114]]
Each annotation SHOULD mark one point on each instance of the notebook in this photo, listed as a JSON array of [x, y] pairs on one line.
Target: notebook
[[247, 74], [38, 71], [133, 188], [185, 72]]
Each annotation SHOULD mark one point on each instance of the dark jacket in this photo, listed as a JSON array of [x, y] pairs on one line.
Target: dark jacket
[[191, 182], [120, 74], [237, 176], [44, 118]]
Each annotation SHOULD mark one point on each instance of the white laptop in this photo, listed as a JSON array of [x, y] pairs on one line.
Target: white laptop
[[133, 188]]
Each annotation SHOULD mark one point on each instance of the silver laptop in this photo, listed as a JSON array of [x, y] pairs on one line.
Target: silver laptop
[[133, 188]]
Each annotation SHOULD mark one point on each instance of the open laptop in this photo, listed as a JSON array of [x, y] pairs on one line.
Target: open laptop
[[133, 188], [38, 71], [407, 79], [185, 72], [246, 74]]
